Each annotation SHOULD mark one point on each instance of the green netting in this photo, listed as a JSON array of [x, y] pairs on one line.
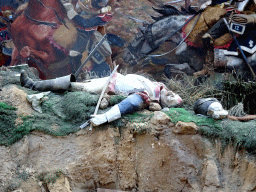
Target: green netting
[[139, 122], [243, 134], [181, 114], [62, 115], [9, 133], [116, 99]]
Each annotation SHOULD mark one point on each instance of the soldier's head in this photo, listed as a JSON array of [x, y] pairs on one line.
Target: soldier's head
[[170, 99]]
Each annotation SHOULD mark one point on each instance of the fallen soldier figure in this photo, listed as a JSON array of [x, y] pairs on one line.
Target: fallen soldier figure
[[210, 107], [140, 91]]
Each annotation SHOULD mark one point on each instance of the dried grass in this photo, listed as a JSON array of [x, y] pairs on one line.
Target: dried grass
[[190, 93]]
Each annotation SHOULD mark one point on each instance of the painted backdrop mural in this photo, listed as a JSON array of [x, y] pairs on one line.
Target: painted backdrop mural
[[55, 36]]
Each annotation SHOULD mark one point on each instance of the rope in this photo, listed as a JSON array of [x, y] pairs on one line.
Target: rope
[[198, 16], [53, 25]]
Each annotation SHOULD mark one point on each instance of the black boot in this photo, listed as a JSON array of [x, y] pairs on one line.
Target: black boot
[[25, 81], [209, 58], [60, 84], [75, 62]]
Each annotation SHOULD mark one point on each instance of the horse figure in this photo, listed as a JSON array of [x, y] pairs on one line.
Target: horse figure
[[182, 58], [42, 35]]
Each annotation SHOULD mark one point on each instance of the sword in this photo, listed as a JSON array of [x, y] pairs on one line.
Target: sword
[[90, 55], [240, 49], [99, 100]]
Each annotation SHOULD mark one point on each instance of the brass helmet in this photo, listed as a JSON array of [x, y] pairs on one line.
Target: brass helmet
[[7, 14]]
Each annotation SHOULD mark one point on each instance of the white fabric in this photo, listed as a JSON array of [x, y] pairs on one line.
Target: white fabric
[[99, 119], [241, 5], [124, 85], [220, 114], [92, 86], [128, 84], [105, 9], [216, 111], [113, 114], [37, 99], [132, 83]]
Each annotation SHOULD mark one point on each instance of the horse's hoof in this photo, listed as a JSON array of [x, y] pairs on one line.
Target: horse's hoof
[[201, 73]]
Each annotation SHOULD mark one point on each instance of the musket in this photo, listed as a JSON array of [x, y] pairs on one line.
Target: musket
[[133, 18], [90, 55], [240, 49], [172, 2], [99, 100]]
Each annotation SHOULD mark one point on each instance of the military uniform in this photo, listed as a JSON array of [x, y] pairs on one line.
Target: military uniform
[[218, 35], [89, 16]]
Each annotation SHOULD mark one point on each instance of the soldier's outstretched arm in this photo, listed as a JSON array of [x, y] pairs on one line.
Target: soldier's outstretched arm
[[132, 103]]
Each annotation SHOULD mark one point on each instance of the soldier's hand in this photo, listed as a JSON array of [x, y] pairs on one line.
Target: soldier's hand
[[98, 119], [243, 19]]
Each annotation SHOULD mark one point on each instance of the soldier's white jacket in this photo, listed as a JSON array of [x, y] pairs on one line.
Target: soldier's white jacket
[[130, 84]]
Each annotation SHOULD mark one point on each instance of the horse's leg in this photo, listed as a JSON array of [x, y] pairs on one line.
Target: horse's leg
[[172, 70], [151, 37], [15, 57], [27, 52], [234, 65], [193, 56], [110, 63], [39, 60]]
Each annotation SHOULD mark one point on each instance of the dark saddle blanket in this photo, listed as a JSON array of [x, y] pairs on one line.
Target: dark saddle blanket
[[247, 41]]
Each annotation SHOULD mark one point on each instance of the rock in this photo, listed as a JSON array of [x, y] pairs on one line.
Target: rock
[[20, 151], [18, 190], [104, 103], [160, 118], [250, 176], [203, 147], [154, 107], [159, 128], [11, 94], [61, 185], [31, 185], [211, 176], [185, 128]]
